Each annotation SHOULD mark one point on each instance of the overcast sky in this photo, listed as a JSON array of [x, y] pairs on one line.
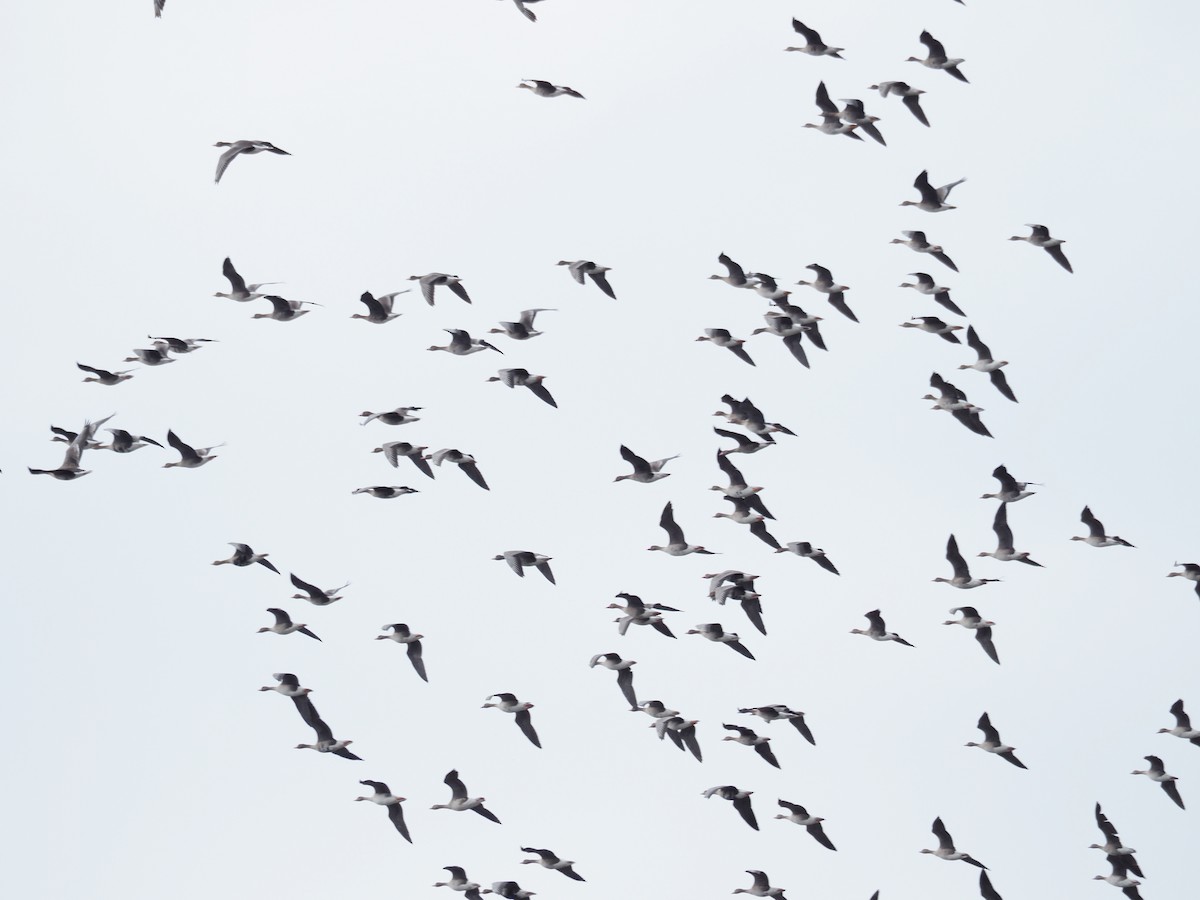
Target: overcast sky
[[144, 763]]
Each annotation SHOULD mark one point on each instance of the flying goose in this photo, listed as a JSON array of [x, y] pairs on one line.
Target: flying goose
[[779, 712], [379, 309], [745, 413], [519, 560], [238, 289], [737, 275], [459, 800], [831, 119], [383, 796], [655, 709], [1156, 772], [761, 887], [916, 241], [962, 574], [124, 442], [992, 744], [738, 488], [284, 310], [1004, 547], [522, 329], [289, 686], [462, 344], [190, 457], [509, 890], [927, 286], [744, 444], [799, 815], [458, 880], [393, 450], [639, 613], [748, 738], [1041, 238], [909, 96], [643, 471], [244, 556], [806, 550], [180, 345], [69, 469], [982, 627], [313, 594], [398, 416], [624, 670], [547, 859], [740, 799], [327, 743], [986, 363], [677, 544], [1191, 571], [401, 635], [934, 325], [1113, 847], [712, 631], [932, 199], [682, 733], [877, 629], [790, 331], [1183, 726], [744, 515], [103, 376], [936, 59], [464, 461], [718, 580], [946, 849], [510, 704], [722, 338], [1011, 490], [385, 492], [954, 401], [238, 148], [546, 89], [285, 625], [1096, 536], [854, 113], [581, 267], [436, 279], [813, 46], [151, 356], [521, 378], [836, 293], [1120, 878]]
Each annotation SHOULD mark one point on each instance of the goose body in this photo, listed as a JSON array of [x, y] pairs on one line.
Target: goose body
[[398, 416], [722, 338], [934, 325], [624, 670], [383, 796], [779, 712], [124, 442], [877, 629], [808, 551], [585, 268], [813, 45], [284, 310], [735, 275], [238, 289], [927, 286], [379, 309], [1183, 725], [982, 627], [677, 544], [393, 451], [462, 344], [1011, 490], [385, 492], [1004, 541], [748, 738], [835, 293], [519, 560], [509, 703], [761, 886], [104, 376], [522, 329], [800, 815], [1158, 773], [459, 801], [909, 96], [1040, 237], [313, 594], [465, 462], [713, 632], [936, 58], [285, 625], [915, 240], [547, 859], [932, 199], [962, 574], [946, 849], [644, 471], [546, 89], [440, 279], [243, 555], [1096, 536], [401, 635], [740, 800], [992, 744], [242, 148], [1191, 571], [189, 457], [521, 378]]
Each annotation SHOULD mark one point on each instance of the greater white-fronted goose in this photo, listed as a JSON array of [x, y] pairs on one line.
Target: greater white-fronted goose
[[1041, 238], [383, 796], [285, 625], [992, 744], [239, 148], [401, 635]]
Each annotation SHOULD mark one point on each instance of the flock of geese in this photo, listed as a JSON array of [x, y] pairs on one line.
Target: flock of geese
[[797, 329]]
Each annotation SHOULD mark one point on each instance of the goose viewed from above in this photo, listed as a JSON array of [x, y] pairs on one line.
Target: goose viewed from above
[[1096, 536], [238, 289], [385, 492], [677, 544], [992, 744], [643, 471], [239, 148], [547, 859], [459, 801], [932, 199], [313, 594], [1004, 541], [1156, 772], [927, 286], [243, 555], [289, 686], [462, 344], [836, 293], [284, 310], [1011, 490], [986, 363], [877, 629], [379, 309], [808, 551], [104, 376], [789, 330], [624, 670], [738, 488], [398, 416], [937, 59], [519, 560], [740, 800], [1041, 238], [813, 46], [639, 613], [743, 514], [909, 96], [722, 338], [712, 631], [748, 738], [736, 276], [393, 450], [521, 378], [546, 89], [458, 880], [523, 5], [401, 635], [761, 886], [510, 704], [982, 627], [190, 457], [934, 325], [585, 267], [1183, 726], [327, 743], [522, 329], [124, 442], [1191, 571], [946, 849], [181, 345], [778, 712], [855, 113], [436, 279], [1113, 846], [285, 625], [917, 241], [150, 356], [464, 461], [1119, 877], [383, 796], [962, 574], [831, 119], [799, 815]]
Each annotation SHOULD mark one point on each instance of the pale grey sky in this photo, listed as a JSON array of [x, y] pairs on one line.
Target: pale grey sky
[[144, 763]]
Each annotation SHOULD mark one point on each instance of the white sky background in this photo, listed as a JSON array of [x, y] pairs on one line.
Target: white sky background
[[142, 760]]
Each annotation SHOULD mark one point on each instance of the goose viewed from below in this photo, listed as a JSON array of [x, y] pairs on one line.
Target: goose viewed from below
[[643, 471], [927, 286], [736, 276], [327, 743], [379, 309], [808, 551], [519, 560], [789, 330], [285, 625], [812, 824], [150, 356], [1120, 878], [104, 376], [1183, 726], [1096, 536], [954, 401], [937, 59], [1113, 845], [313, 594], [656, 710], [393, 451], [510, 704], [521, 378], [180, 345], [546, 89], [986, 363], [740, 800], [383, 796], [440, 279], [677, 544], [624, 670], [962, 574], [738, 489], [761, 886], [854, 112], [831, 118], [412, 642], [69, 469], [748, 738], [1004, 541], [462, 344], [743, 514], [712, 631], [509, 890], [1191, 571], [522, 329], [284, 310], [289, 686], [385, 492], [722, 338], [459, 882], [835, 293], [917, 241], [243, 555], [398, 416], [682, 733], [638, 612], [580, 268], [877, 629], [190, 457], [778, 712], [909, 96], [1158, 773], [934, 325], [1011, 490], [992, 744], [932, 199], [1041, 238], [982, 627], [465, 462], [946, 848], [744, 413], [242, 148], [547, 859], [813, 45], [124, 442], [238, 289], [459, 801]]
